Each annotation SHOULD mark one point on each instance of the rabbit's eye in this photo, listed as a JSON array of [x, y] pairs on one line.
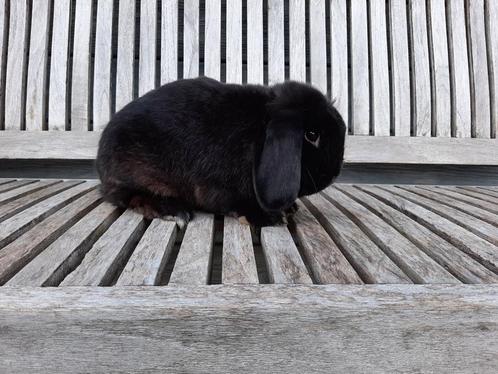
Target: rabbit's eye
[[313, 137]]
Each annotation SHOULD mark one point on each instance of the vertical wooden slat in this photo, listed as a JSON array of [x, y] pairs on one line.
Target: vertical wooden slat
[[359, 66], [493, 53], [169, 41], [380, 69], [234, 41], [297, 40], [460, 72], [400, 68], [255, 41], [147, 55], [37, 63], [339, 54], [479, 69], [191, 39], [421, 68], [59, 60], [440, 68], [81, 65], [3, 46], [126, 52], [212, 37], [276, 56], [102, 71], [318, 49], [15, 65]]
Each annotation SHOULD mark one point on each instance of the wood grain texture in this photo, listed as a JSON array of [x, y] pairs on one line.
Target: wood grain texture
[[59, 61], [283, 261], [487, 190], [400, 67], [369, 261], [379, 69], [318, 49], [193, 263], [163, 329], [212, 40], [490, 198], [461, 111], [447, 255], [234, 41], [255, 65], [325, 259], [276, 42], [126, 53], [37, 66], [297, 40], [51, 266], [146, 264], [16, 47], [103, 260], [23, 190], [476, 199], [238, 263], [492, 16], [191, 39], [3, 50], [339, 56], [479, 73], [169, 41], [360, 85], [147, 53], [13, 185], [421, 68], [17, 254]]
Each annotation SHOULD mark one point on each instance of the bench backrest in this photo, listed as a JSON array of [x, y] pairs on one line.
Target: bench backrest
[[396, 69]]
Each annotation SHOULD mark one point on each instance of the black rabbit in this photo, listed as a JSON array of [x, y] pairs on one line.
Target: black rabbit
[[198, 144]]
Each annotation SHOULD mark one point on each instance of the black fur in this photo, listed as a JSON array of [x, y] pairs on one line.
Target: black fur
[[223, 148]]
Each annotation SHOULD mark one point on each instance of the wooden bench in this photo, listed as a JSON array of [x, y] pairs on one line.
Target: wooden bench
[[366, 278]]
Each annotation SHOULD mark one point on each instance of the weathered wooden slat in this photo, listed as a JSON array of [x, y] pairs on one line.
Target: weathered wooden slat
[[255, 73], [191, 39], [14, 184], [468, 242], [297, 40], [136, 328], [379, 69], [14, 102], [147, 53], [212, 40], [24, 190], [359, 68], [51, 266], [492, 16], [146, 264], [283, 260], [450, 257], [325, 259], [108, 253], [318, 49], [14, 226], [400, 66], [37, 64], [476, 226], [488, 190], [440, 68], [6, 180], [59, 61], [234, 41], [339, 56], [102, 66], [13, 207], [3, 48], [461, 110], [239, 264], [456, 194], [16, 254], [367, 258], [194, 258], [276, 43], [491, 198], [421, 68], [126, 52], [414, 262], [169, 40]]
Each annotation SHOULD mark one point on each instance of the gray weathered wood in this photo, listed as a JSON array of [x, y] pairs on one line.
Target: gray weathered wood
[[3, 48], [126, 52], [492, 15], [456, 194], [276, 55], [147, 53], [193, 263], [103, 260], [51, 266], [191, 39], [491, 198], [24, 189], [239, 264], [146, 264], [325, 259], [14, 184], [255, 42], [297, 40], [234, 41], [488, 190], [212, 40], [283, 261], [366, 257], [169, 41], [318, 49]]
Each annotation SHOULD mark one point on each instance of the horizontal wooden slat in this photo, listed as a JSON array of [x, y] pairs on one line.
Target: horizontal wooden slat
[[26, 189]]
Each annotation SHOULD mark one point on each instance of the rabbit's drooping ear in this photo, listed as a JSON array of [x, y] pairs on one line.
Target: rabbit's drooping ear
[[277, 172]]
